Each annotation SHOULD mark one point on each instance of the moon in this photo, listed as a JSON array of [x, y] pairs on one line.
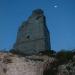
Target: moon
[[55, 6]]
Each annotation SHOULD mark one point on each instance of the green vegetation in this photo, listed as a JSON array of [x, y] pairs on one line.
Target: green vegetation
[[48, 53], [64, 56]]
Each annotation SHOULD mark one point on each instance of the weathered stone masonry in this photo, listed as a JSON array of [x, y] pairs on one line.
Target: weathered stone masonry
[[33, 35]]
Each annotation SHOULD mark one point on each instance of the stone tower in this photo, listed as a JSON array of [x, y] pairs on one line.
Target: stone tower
[[33, 35]]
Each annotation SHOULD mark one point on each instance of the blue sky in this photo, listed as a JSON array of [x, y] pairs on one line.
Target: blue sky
[[60, 16]]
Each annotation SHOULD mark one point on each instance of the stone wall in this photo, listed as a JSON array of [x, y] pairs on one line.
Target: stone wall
[[33, 35]]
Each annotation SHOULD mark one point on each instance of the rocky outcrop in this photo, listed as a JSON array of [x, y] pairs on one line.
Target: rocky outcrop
[[67, 68], [28, 55], [31, 55], [11, 64], [33, 35]]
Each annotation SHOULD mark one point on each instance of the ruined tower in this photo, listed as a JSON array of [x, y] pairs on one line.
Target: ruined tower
[[33, 35]]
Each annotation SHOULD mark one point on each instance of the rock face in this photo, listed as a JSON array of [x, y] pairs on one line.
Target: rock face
[[33, 35], [11, 64], [29, 65], [66, 69]]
